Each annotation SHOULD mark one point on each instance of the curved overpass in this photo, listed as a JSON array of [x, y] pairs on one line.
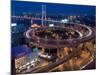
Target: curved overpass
[[51, 43], [68, 42]]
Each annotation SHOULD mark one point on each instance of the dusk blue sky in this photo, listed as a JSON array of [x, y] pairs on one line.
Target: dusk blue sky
[[18, 7]]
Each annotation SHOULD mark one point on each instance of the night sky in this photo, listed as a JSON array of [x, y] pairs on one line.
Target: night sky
[[19, 7]]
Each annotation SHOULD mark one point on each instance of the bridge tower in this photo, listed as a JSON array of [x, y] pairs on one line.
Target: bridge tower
[[43, 21]]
